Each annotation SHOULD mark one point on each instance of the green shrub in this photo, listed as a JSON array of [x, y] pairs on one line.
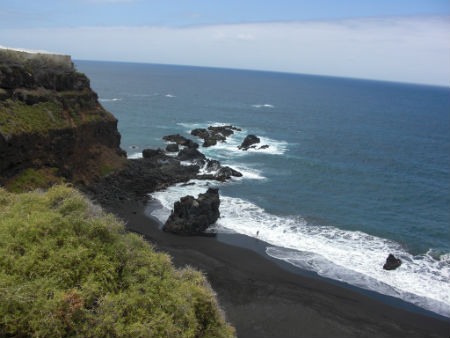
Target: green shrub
[[30, 179], [67, 269]]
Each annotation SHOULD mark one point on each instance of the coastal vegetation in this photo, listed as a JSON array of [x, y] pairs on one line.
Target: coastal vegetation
[[69, 269]]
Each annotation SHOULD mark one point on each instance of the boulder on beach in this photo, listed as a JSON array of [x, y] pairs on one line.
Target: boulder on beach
[[392, 262], [192, 216], [249, 141]]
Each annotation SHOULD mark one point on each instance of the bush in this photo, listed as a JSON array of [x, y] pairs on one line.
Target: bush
[[67, 269]]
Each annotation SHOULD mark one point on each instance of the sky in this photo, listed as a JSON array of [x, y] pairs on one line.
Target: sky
[[393, 40]]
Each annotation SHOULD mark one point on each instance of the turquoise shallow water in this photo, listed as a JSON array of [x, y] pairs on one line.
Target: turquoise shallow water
[[354, 170]]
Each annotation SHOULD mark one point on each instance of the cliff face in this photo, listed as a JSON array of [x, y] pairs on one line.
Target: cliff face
[[51, 118]]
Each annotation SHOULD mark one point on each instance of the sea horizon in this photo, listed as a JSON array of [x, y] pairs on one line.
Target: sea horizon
[[425, 84]]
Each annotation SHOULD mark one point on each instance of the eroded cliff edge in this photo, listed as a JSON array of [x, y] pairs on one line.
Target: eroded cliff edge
[[51, 121]]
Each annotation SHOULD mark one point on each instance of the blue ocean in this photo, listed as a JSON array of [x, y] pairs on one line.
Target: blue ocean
[[355, 169]]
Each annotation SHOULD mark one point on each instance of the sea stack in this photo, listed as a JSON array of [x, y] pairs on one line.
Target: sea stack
[[192, 216]]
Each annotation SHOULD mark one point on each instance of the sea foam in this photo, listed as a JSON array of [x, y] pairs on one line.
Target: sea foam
[[353, 257], [229, 148], [115, 99], [263, 105]]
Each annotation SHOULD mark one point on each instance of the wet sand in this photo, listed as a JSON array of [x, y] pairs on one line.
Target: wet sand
[[263, 298]]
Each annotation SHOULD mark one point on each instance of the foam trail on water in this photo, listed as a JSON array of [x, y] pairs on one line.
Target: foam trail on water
[[263, 105], [110, 100], [353, 257]]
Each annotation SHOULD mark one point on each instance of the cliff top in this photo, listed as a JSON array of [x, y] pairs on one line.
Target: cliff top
[[14, 56], [41, 92]]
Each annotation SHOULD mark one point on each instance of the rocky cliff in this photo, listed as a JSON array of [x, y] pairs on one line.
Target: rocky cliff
[[52, 122]]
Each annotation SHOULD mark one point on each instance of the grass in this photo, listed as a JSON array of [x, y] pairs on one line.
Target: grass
[[69, 270], [16, 117], [31, 179]]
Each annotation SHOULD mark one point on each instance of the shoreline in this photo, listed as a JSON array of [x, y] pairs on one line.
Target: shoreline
[[265, 297]]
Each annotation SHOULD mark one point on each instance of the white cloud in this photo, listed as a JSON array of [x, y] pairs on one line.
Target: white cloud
[[397, 49]]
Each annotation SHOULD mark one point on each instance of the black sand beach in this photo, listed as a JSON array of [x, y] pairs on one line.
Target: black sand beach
[[263, 299]]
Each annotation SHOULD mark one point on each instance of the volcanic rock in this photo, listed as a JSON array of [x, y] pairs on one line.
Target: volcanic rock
[[149, 153], [172, 148], [392, 263], [214, 134], [180, 140], [200, 132], [190, 154], [225, 173], [249, 141], [212, 165], [192, 216]]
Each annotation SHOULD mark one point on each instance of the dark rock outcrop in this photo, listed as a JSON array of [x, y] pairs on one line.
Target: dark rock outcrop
[[192, 216], [226, 130], [214, 134], [200, 133], [212, 165], [249, 142], [138, 178], [172, 148], [392, 262], [226, 173], [180, 140], [149, 153], [191, 154]]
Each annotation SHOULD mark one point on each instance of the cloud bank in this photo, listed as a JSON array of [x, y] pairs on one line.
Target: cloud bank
[[413, 49]]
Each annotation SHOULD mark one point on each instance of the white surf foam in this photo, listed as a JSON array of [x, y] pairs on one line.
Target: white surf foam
[[247, 173], [263, 105], [229, 148], [350, 256], [135, 155], [115, 99], [169, 95], [353, 257]]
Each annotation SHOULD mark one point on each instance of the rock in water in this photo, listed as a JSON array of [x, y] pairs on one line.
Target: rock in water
[[212, 165], [172, 148], [392, 263], [226, 172], [249, 141], [190, 154], [180, 140], [191, 216], [214, 134]]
